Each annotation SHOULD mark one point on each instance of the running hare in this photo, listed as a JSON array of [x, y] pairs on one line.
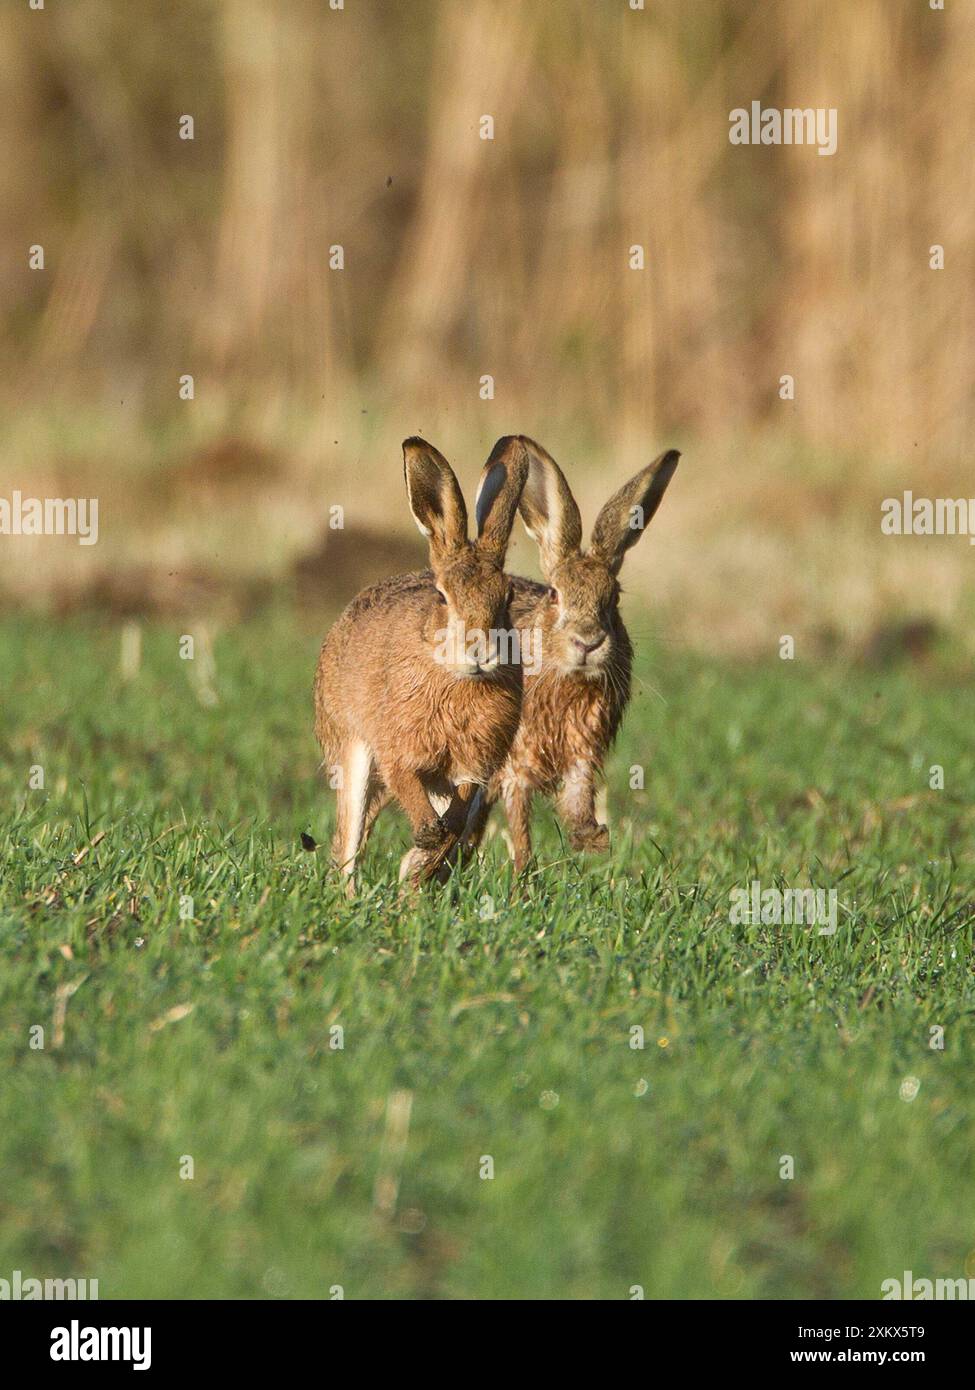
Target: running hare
[[574, 701], [416, 697]]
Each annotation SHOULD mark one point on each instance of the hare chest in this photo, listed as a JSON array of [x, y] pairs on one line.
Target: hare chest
[[565, 723], [469, 736]]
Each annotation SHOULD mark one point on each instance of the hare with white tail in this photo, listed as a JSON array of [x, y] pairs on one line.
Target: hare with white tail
[[574, 702], [418, 693]]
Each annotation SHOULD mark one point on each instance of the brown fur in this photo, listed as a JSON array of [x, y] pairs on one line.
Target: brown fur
[[396, 721], [573, 706]]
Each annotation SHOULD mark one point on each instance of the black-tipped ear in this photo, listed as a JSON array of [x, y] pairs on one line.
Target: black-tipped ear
[[435, 497], [498, 491], [548, 509], [622, 521]]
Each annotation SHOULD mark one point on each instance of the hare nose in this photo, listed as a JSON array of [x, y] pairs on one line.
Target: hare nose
[[588, 647]]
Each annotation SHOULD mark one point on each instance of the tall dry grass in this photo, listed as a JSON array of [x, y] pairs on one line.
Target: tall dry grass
[[467, 257], [509, 257]]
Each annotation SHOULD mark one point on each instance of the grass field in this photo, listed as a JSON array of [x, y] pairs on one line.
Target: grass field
[[480, 1021]]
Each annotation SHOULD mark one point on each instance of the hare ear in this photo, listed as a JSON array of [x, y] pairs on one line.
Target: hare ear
[[435, 497], [621, 522], [498, 491], [549, 510]]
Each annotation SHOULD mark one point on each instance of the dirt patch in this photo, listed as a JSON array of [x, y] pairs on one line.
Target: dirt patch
[[345, 561]]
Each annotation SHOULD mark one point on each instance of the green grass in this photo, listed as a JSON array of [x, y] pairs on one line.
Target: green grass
[[656, 1167]]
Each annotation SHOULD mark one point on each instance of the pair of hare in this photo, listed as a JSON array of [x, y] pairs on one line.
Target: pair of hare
[[452, 688]]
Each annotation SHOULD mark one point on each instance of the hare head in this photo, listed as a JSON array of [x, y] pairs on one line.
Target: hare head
[[468, 626], [581, 627]]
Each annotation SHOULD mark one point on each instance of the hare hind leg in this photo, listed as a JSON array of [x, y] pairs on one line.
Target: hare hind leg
[[357, 791], [517, 796]]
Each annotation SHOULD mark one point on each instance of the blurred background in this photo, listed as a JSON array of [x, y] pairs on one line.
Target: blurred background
[[463, 258]]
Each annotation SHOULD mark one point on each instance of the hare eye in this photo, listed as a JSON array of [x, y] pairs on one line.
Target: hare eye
[[553, 596], [442, 596]]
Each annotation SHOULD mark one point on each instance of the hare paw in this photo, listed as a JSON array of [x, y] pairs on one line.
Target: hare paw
[[592, 839], [431, 836], [411, 865]]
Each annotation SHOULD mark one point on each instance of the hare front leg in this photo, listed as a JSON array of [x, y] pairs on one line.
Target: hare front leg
[[576, 804], [428, 829], [454, 820], [477, 819]]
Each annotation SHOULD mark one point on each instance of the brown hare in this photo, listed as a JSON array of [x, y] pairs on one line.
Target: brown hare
[[575, 696], [417, 696]]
